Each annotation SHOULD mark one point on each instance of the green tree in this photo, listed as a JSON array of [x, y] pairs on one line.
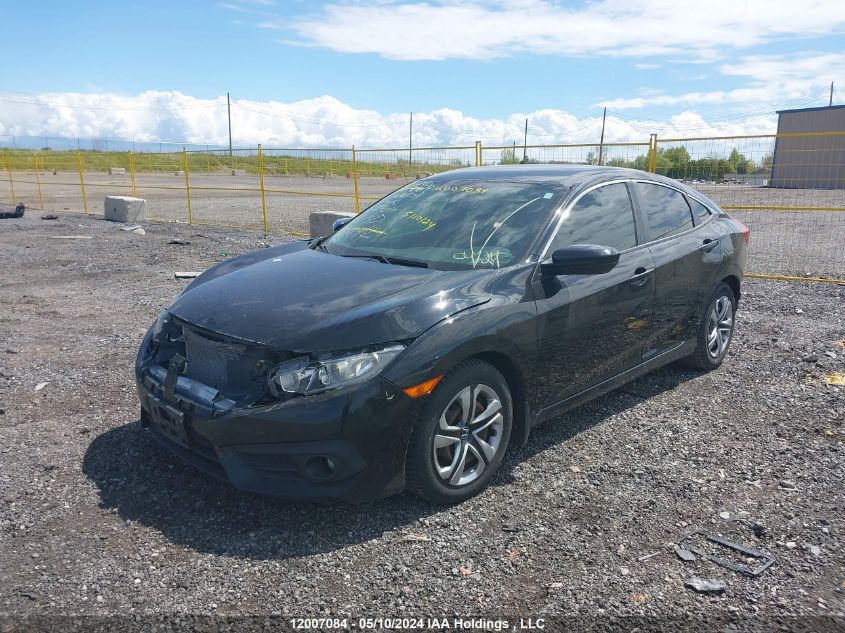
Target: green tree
[[508, 157]]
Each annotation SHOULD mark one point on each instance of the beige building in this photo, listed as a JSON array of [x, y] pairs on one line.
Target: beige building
[[810, 162]]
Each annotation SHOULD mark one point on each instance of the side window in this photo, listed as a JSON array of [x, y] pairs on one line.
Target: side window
[[700, 213], [665, 211], [604, 216]]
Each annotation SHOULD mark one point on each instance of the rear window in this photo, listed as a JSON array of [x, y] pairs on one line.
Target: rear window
[[665, 211], [700, 213]]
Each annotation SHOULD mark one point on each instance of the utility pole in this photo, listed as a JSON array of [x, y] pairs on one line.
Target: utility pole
[[525, 143], [229, 111], [601, 141], [831, 95], [411, 140]]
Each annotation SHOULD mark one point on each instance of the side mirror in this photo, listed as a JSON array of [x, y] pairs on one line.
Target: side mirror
[[339, 224], [582, 259]]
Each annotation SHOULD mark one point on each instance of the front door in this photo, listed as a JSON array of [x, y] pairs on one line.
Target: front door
[[592, 327]]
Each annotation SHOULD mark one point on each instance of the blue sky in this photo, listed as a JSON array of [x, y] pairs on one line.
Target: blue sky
[[468, 69]]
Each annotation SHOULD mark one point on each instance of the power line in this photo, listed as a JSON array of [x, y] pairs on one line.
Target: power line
[[108, 107], [275, 115]]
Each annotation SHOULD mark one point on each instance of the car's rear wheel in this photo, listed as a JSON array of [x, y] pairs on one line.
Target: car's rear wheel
[[461, 435], [715, 330]]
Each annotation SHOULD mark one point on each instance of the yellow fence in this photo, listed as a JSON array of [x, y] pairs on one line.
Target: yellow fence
[[790, 189]]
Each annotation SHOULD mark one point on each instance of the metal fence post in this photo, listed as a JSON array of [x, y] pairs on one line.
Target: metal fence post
[[355, 181], [132, 174], [478, 152], [652, 154], [11, 180], [187, 186], [38, 180], [80, 165], [261, 183]]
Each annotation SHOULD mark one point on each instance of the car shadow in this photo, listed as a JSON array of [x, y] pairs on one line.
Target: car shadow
[[144, 483]]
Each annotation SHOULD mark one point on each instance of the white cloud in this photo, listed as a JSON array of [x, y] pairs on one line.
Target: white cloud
[[445, 29], [646, 66], [321, 122], [775, 79]]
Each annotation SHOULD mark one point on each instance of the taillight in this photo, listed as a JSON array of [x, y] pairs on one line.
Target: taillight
[[746, 232]]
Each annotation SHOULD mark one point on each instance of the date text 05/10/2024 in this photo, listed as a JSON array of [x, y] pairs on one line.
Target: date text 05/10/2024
[[406, 624]]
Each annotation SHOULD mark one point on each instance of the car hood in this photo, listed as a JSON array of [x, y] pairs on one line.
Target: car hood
[[293, 298]]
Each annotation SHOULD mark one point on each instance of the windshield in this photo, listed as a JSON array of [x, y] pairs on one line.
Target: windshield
[[455, 224]]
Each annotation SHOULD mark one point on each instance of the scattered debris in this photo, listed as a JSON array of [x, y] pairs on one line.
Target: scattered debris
[[133, 228], [799, 311], [513, 554], [575, 469], [815, 550], [836, 379], [725, 515], [684, 554], [510, 526], [185, 275], [787, 485], [758, 528], [40, 386], [556, 585], [647, 556], [638, 598], [49, 216], [181, 242], [412, 537], [463, 570], [705, 585], [741, 568], [71, 237], [811, 358], [830, 354]]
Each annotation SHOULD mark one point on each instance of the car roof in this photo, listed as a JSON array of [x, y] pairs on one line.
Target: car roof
[[567, 175]]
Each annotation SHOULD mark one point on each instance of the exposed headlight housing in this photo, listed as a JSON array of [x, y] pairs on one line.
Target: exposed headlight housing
[[305, 376], [159, 324]]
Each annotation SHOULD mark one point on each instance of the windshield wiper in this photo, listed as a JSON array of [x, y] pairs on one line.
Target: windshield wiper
[[398, 261], [318, 244]]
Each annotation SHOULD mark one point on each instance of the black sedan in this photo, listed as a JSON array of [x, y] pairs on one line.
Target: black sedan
[[428, 334]]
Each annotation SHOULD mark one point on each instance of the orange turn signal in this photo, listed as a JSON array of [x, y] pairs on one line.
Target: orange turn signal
[[423, 389]]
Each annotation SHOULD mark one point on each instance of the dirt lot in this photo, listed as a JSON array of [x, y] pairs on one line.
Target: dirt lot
[[96, 519], [799, 243]]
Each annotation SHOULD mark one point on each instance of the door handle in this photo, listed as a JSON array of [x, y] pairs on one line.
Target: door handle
[[640, 276], [709, 245]]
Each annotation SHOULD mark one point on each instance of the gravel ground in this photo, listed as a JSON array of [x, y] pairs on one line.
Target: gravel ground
[[96, 519]]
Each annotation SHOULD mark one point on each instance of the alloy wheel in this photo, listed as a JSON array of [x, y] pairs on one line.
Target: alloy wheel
[[720, 326], [468, 435]]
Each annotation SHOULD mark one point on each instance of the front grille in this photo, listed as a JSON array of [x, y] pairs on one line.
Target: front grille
[[211, 362]]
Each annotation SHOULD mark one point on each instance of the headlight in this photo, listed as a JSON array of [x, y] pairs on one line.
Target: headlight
[[305, 376], [159, 324]]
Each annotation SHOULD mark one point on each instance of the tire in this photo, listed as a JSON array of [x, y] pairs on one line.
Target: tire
[[715, 331], [452, 456]]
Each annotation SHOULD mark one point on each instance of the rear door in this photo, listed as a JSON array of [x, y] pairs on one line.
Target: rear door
[[685, 257], [591, 327]]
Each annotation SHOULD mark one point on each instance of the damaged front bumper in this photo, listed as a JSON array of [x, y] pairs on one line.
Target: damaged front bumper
[[348, 444]]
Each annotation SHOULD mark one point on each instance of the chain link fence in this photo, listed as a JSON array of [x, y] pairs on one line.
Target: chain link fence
[[790, 189]]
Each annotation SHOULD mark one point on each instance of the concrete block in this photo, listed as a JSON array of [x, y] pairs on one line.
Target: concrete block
[[117, 170], [239, 172], [321, 221], [125, 209]]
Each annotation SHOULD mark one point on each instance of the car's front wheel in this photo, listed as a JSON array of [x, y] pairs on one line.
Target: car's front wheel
[[715, 330], [461, 435]]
